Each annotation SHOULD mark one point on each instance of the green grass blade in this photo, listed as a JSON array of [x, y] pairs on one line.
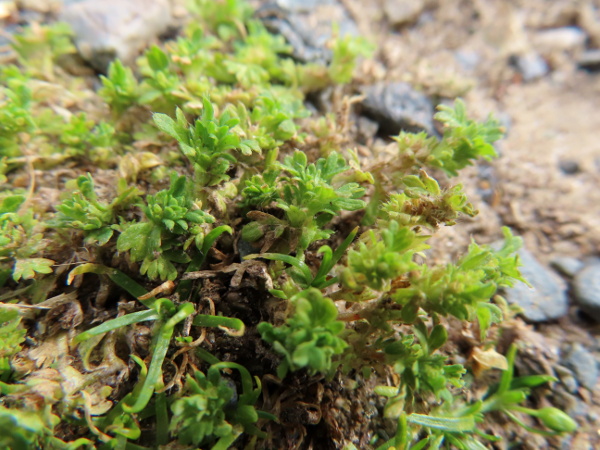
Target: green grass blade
[[119, 322]]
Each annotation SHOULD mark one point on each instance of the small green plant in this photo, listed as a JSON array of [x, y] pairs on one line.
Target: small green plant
[[207, 143], [464, 140], [161, 87], [12, 334], [381, 257], [212, 412], [20, 430], [310, 336], [308, 194], [171, 215], [20, 240], [82, 210], [15, 113], [455, 423], [40, 47], [120, 88]]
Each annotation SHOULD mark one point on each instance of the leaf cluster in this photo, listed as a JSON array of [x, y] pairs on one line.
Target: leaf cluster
[[21, 238], [423, 203], [12, 334], [464, 140], [81, 209], [210, 411], [458, 289], [173, 222], [455, 423], [381, 256], [309, 339], [208, 142], [308, 194]]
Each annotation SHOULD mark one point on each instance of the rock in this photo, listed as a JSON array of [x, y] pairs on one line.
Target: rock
[[567, 378], [397, 106], [569, 166], [487, 182], [530, 65], [546, 299], [567, 266], [367, 129], [109, 29], [583, 364], [560, 39], [468, 60], [403, 12], [590, 60], [307, 25], [586, 287]]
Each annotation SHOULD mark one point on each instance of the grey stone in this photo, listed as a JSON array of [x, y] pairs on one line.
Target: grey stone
[[586, 287], [560, 39], [590, 60], [367, 129], [109, 29], [567, 266], [546, 299], [569, 166], [567, 378], [403, 12], [531, 66], [469, 60], [397, 106], [307, 25], [583, 364]]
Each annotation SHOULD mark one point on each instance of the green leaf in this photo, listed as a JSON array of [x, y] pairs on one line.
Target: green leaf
[[157, 59], [27, 268], [166, 125], [447, 424], [438, 337], [109, 325]]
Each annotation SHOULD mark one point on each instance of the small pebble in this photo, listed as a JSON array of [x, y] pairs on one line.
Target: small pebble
[[583, 364], [403, 12], [567, 378], [531, 66], [569, 166], [586, 287], [560, 39], [590, 60], [546, 299], [567, 266], [469, 60], [397, 106]]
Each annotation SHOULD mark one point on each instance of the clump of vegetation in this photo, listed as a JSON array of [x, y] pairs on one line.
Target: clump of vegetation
[[204, 253]]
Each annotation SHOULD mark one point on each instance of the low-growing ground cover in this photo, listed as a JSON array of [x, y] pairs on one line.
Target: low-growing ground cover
[[191, 257]]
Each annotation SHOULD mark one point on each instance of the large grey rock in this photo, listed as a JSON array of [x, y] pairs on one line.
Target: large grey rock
[[398, 107], [109, 29], [546, 299], [583, 364], [307, 25], [586, 287]]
